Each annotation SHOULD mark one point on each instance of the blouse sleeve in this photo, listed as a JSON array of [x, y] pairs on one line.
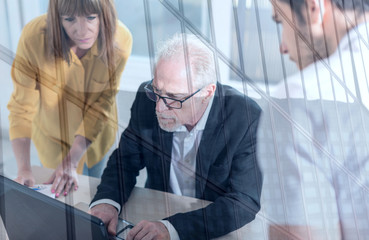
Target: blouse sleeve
[[24, 99]]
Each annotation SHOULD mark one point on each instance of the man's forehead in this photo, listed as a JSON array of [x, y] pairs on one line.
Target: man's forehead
[[280, 9], [273, 2], [274, 13], [172, 75], [171, 88]]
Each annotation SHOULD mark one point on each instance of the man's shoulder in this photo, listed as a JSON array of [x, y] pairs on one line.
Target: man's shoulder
[[143, 108], [234, 99]]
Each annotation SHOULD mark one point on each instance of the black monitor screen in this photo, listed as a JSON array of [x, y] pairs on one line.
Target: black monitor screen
[[28, 214]]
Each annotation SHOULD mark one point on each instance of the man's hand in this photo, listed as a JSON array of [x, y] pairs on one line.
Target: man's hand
[[108, 214], [149, 230]]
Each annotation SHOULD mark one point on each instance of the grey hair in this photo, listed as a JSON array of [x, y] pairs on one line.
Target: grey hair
[[200, 57]]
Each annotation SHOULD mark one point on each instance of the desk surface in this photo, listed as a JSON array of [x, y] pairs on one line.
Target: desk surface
[[143, 203]]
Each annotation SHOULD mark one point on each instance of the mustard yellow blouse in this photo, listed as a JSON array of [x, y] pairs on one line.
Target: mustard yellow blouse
[[54, 101]]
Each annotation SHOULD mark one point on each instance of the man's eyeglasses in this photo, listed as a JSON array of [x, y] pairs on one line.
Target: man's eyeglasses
[[168, 101]]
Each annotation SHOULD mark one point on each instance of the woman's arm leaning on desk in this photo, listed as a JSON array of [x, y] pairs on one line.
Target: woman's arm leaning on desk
[[65, 174], [21, 149], [63, 177]]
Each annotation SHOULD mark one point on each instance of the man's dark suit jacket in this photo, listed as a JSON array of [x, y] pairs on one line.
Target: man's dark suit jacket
[[227, 172]]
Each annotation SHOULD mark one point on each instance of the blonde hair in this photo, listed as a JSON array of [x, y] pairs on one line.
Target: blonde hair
[[58, 40]]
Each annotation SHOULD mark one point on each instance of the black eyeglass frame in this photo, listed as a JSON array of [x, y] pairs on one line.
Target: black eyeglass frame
[[149, 89]]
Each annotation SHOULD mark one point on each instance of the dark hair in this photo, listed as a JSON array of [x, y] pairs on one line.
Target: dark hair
[[296, 6], [359, 6], [58, 40]]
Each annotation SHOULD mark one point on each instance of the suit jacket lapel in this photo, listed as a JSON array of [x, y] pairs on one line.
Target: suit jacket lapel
[[205, 158], [212, 131], [165, 140]]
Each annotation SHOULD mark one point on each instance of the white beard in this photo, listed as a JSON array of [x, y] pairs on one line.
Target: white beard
[[170, 126]]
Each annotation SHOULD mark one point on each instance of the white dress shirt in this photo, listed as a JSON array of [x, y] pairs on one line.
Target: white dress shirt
[[320, 173], [182, 178], [184, 150]]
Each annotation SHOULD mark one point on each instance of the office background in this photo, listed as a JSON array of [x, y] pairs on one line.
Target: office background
[[241, 33]]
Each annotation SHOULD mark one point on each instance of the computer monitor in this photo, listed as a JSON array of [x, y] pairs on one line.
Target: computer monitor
[[28, 214]]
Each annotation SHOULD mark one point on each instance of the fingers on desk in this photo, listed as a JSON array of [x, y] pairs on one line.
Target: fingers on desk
[[69, 185], [148, 230], [25, 181], [25, 178], [62, 183]]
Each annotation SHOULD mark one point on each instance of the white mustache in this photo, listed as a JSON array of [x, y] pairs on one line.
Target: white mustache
[[163, 115]]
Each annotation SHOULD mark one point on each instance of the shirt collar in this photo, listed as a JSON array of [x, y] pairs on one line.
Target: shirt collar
[[202, 122], [93, 51], [355, 34]]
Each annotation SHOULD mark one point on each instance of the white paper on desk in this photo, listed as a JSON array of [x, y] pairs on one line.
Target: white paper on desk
[[44, 189]]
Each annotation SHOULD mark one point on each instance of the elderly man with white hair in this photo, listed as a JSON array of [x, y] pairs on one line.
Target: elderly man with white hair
[[196, 138]]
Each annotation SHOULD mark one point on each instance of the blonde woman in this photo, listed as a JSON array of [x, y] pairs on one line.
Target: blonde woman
[[66, 74]]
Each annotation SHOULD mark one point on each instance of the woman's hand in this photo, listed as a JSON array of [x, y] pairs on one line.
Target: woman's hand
[[65, 175], [25, 177], [21, 149], [63, 178]]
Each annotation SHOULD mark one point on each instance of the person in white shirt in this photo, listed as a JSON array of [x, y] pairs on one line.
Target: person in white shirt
[[317, 124], [196, 138]]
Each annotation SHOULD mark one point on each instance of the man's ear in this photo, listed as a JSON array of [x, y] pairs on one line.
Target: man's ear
[[316, 10], [210, 90]]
